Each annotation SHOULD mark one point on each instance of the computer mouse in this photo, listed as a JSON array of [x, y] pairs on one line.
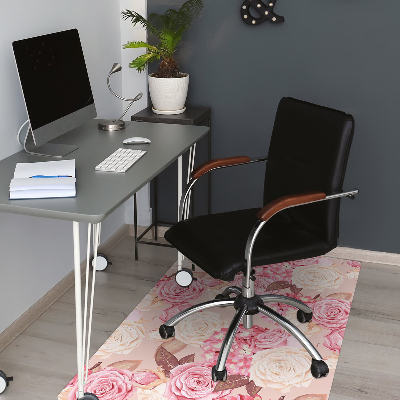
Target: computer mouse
[[136, 140]]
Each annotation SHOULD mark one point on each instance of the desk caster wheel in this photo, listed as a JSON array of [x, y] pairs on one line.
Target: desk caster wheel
[[4, 381], [184, 277], [89, 396], [303, 316], [319, 369], [102, 262]]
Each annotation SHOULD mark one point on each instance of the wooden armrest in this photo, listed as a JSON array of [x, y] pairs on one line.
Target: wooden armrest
[[288, 201], [218, 162]]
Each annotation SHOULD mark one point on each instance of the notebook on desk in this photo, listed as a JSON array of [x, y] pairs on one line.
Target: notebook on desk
[[43, 180]]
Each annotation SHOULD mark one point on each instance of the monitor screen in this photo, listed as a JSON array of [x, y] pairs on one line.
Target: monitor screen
[[54, 82]]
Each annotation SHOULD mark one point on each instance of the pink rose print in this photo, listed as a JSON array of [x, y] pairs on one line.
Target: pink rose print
[[74, 380], [210, 282], [334, 339], [171, 292], [307, 261], [144, 378], [247, 343], [135, 315], [271, 338], [192, 381], [276, 272], [108, 384], [354, 264], [171, 311], [331, 313], [241, 397]]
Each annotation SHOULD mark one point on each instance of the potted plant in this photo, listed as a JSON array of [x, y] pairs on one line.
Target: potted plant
[[168, 86]]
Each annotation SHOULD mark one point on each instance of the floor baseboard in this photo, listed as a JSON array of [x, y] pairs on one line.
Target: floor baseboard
[[377, 257], [34, 312], [149, 235]]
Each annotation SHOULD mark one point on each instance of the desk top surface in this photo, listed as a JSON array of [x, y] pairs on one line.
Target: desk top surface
[[98, 194]]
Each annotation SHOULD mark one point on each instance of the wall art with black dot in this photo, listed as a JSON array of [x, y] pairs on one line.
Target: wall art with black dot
[[255, 12]]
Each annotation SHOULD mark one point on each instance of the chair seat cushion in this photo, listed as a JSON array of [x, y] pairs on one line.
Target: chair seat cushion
[[217, 242]]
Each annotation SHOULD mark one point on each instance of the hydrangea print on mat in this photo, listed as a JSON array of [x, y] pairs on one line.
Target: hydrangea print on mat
[[265, 363]]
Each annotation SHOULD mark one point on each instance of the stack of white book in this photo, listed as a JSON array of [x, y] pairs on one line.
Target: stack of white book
[[44, 180]]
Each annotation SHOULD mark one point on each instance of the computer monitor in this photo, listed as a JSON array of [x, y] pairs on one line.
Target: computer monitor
[[56, 88]]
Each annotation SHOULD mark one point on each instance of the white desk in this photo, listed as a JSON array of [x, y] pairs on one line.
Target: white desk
[[98, 195]]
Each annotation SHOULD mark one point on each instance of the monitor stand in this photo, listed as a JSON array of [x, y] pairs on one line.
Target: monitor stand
[[48, 149]]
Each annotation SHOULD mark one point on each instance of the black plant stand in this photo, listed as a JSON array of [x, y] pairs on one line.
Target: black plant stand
[[192, 116]]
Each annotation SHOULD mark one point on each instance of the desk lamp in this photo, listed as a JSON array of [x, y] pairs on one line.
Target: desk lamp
[[117, 124]]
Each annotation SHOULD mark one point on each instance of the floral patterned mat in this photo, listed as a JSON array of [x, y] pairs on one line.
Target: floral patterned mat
[[265, 362]]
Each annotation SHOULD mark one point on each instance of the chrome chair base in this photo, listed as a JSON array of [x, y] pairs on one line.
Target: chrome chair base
[[246, 308]]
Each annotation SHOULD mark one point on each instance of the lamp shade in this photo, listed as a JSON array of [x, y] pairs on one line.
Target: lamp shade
[[115, 68]]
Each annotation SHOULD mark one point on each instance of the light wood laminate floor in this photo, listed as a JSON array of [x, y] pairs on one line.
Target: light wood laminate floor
[[43, 358]]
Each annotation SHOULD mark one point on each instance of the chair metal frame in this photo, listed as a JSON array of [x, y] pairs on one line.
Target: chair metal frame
[[246, 302]]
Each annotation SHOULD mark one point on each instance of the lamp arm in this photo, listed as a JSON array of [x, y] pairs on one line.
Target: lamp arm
[[138, 97], [112, 91]]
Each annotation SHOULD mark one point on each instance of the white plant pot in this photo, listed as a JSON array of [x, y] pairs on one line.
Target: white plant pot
[[168, 95]]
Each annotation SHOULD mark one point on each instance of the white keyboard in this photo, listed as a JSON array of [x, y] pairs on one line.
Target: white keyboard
[[121, 160]]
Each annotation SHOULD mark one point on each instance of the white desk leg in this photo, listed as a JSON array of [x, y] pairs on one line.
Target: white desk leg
[[180, 255], [78, 307], [192, 153], [84, 327]]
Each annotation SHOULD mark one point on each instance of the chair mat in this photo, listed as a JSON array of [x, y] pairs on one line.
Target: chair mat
[[265, 362]]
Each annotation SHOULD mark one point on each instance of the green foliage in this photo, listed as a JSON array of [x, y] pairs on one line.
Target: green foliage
[[141, 62], [168, 28]]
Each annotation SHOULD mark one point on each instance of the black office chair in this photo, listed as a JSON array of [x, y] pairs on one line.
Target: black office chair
[[306, 164]]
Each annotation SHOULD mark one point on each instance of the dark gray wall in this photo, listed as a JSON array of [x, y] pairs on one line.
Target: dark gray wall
[[343, 54]]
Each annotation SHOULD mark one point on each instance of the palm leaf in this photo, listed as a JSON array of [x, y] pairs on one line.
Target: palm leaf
[[136, 18], [169, 40], [155, 20], [139, 44], [188, 12], [170, 18], [141, 62]]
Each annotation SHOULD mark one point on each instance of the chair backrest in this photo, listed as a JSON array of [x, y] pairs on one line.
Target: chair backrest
[[309, 148]]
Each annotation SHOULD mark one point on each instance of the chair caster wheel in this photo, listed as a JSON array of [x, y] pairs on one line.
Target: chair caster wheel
[[4, 381], [166, 331], [184, 277], [89, 396], [101, 262], [219, 375], [319, 369], [221, 297], [303, 316]]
